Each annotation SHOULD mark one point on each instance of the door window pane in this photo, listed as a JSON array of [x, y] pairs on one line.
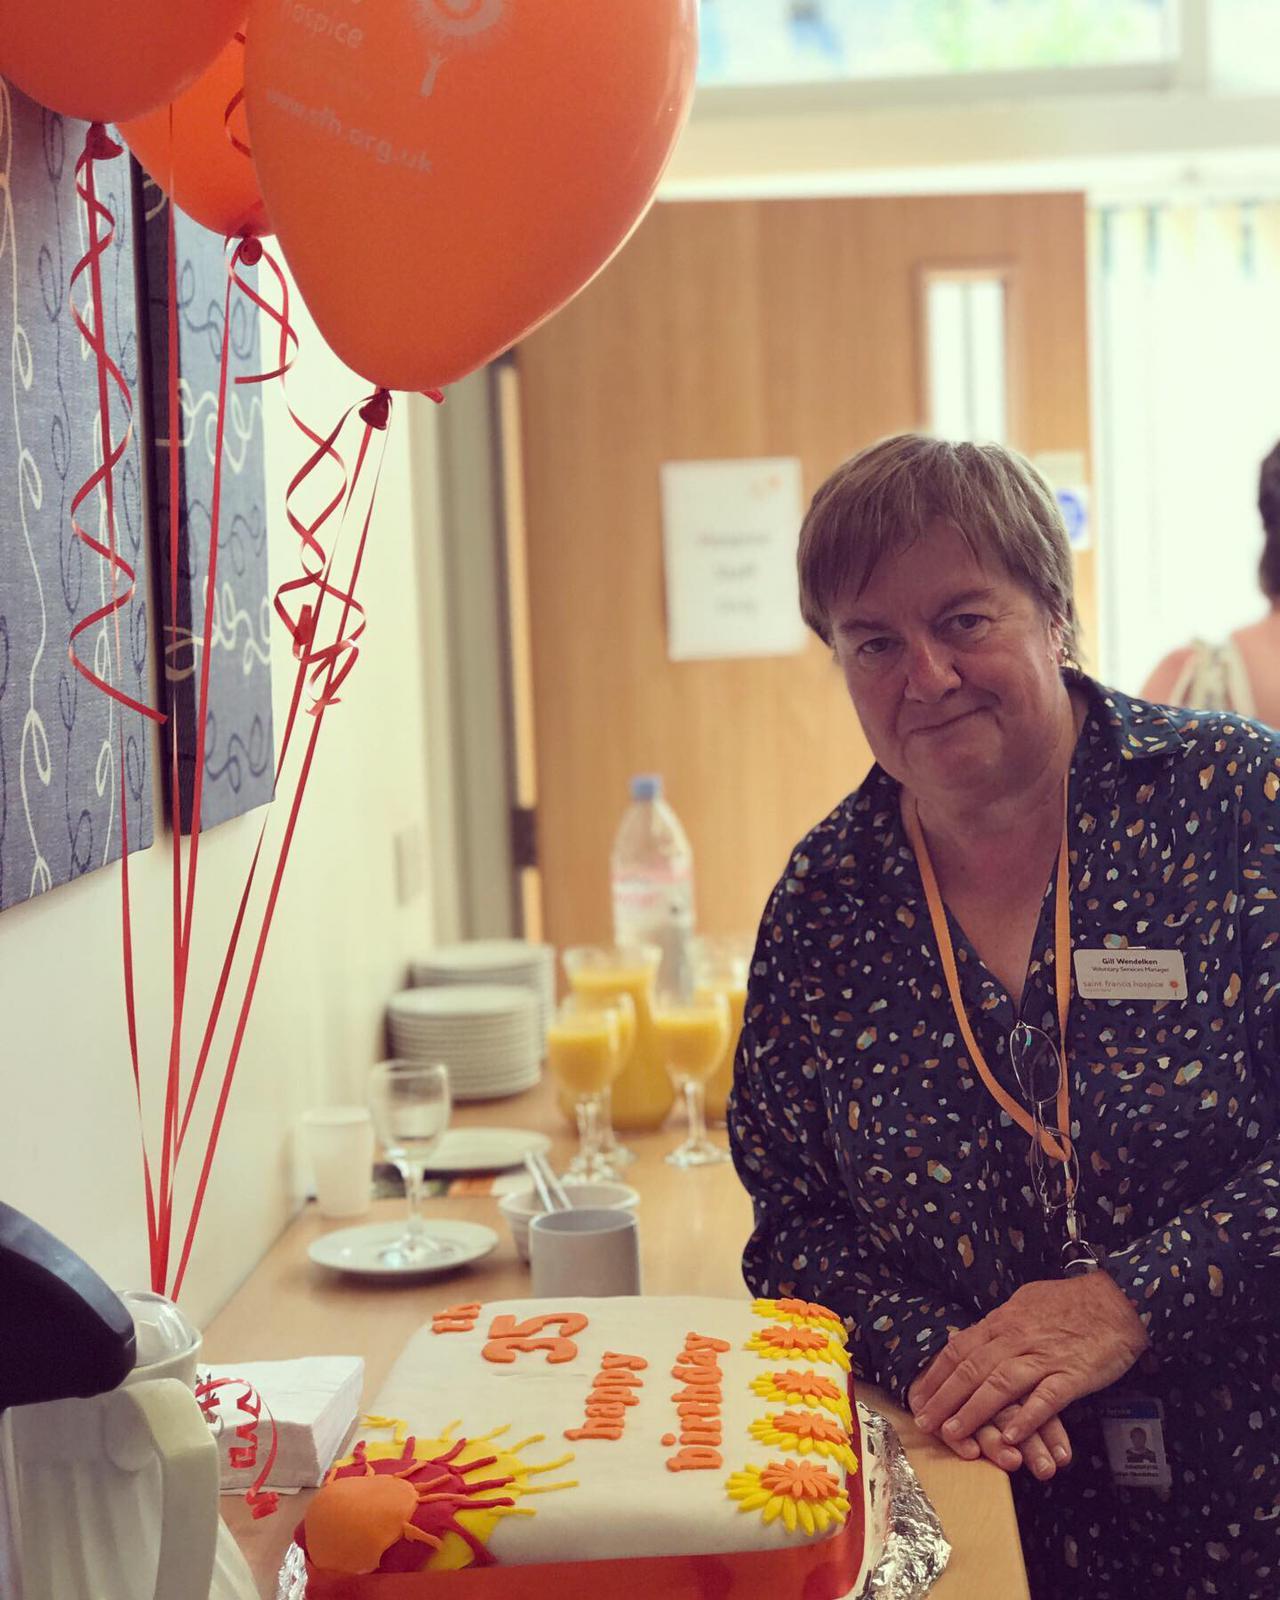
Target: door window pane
[[965, 352]]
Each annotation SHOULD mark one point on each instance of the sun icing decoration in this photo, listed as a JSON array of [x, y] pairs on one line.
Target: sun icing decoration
[[792, 1342], [805, 1431], [805, 1313], [410, 1505], [805, 1389], [802, 1493]]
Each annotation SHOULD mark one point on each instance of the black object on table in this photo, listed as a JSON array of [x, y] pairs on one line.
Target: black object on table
[[63, 1331]]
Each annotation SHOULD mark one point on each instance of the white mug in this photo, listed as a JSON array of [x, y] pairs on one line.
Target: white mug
[[339, 1144], [584, 1252]]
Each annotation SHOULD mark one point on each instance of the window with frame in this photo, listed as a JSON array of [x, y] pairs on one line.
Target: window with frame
[[764, 42]]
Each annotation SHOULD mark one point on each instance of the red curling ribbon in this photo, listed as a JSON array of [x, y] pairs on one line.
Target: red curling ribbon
[[181, 951], [260, 1500], [302, 631], [98, 146], [186, 915], [338, 662], [233, 106]]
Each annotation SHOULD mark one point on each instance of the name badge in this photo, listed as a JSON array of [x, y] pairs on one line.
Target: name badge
[[1131, 974], [1133, 1432]]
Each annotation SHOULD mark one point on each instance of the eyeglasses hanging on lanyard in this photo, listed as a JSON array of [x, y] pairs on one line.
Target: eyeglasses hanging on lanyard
[[1039, 1064]]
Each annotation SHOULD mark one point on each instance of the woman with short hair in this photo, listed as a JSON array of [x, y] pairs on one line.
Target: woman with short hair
[[1006, 1093]]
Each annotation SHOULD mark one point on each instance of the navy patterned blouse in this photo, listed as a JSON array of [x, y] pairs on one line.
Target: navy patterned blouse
[[887, 1182]]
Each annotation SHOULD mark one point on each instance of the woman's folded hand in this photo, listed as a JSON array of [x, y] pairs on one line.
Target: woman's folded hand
[[1049, 1344], [1042, 1452]]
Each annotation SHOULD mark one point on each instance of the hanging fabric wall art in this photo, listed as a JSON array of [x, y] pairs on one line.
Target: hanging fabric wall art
[[60, 792]]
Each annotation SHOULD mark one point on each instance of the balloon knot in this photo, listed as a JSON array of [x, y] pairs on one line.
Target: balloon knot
[[99, 145], [250, 251], [435, 394], [376, 411]]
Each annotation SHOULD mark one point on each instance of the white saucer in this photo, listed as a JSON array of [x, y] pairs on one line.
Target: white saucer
[[483, 1149], [356, 1249]]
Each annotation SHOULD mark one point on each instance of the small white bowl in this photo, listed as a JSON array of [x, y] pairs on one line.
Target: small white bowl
[[520, 1208]]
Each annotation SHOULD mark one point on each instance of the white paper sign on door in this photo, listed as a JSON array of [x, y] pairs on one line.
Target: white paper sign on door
[[729, 531]]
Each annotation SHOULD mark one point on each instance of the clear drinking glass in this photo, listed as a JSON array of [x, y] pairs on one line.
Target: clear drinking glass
[[722, 964], [693, 1034], [587, 1046], [411, 1103], [602, 972]]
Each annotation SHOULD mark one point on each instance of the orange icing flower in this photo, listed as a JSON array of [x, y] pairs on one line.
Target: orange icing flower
[[807, 1313], [808, 1426], [802, 1480], [794, 1338], [812, 1385], [805, 1431], [802, 1494], [813, 1389], [809, 1344]]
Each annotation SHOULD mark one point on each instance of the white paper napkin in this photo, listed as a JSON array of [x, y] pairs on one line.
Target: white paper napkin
[[314, 1400]]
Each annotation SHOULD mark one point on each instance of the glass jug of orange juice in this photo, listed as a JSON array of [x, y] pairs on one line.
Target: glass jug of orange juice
[[720, 967], [642, 1094]]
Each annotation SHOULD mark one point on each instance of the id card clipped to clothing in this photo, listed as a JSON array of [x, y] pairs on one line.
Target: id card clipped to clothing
[[1131, 974], [1133, 1432]]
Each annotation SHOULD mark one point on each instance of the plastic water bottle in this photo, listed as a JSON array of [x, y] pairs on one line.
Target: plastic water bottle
[[651, 871]]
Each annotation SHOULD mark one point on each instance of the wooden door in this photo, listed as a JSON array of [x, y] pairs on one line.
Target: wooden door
[[738, 329]]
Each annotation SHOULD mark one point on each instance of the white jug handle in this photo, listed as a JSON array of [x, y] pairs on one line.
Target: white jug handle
[[159, 1419]]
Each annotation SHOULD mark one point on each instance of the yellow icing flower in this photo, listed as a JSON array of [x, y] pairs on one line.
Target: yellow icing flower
[[805, 1313], [802, 1493], [794, 1388], [805, 1431], [794, 1343]]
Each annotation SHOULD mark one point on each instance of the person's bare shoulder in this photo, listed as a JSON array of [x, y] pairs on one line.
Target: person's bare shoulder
[[1166, 677]]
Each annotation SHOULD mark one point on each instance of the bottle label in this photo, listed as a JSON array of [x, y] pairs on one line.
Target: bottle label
[[653, 902], [658, 911]]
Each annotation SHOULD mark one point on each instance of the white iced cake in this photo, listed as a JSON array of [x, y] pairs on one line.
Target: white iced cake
[[675, 1447]]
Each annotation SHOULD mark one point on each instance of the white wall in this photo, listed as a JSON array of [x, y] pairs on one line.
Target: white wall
[[340, 942]]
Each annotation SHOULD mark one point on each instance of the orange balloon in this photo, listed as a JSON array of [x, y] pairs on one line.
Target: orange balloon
[[197, 164], [443, 175], [101, 60]]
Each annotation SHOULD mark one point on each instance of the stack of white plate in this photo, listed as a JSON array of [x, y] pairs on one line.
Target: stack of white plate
[[488, 961], [488, 1035]]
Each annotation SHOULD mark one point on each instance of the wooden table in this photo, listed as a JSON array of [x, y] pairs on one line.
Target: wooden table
[[692, 1228]]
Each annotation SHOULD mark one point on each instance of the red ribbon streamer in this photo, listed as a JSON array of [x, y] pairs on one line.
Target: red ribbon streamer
[[260, 1500], [338, 661], [181, 949], [236, 100], [99, 147], [301, 635]]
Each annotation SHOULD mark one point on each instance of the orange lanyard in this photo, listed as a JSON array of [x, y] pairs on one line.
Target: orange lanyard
[[1052, 1147]]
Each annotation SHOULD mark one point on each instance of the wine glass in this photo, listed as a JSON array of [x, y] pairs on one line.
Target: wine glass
[[585, 1052], [723, 964], [692, 1035], [410, 1103], [614, 1155], [601, 972]]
